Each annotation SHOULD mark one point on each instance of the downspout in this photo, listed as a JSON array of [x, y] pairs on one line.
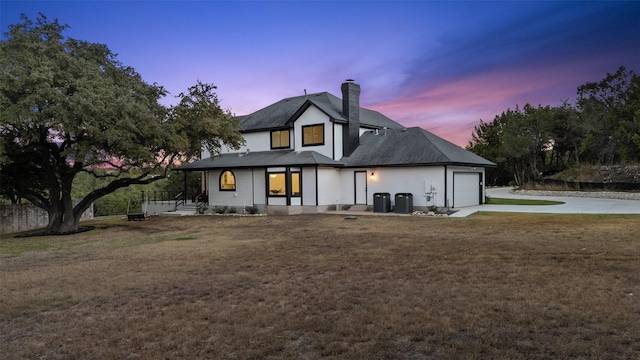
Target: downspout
[[317, 201], [482, 182]]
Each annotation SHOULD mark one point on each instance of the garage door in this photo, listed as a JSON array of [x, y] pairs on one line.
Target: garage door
[[466, 189]]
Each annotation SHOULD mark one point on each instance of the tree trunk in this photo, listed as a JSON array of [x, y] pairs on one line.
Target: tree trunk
[[63, 219], [55, 219]]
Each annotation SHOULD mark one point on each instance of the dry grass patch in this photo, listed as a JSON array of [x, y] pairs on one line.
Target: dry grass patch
[[310, 287]]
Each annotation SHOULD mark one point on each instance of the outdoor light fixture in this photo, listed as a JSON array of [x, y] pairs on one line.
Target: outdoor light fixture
[[372, 176]]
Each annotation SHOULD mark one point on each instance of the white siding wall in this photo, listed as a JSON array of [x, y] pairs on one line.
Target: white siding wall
[[243, 195], [313, 116], [309, 186], [347, 191], [334, 185], [258, 141], [261, 141], [329, 185], [415, 180], [259, 186], [337, 141], [277, 201]]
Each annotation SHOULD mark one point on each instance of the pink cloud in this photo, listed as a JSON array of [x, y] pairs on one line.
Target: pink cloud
[[452, 109]]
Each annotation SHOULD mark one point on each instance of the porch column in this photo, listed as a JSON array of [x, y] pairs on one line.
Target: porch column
[[287, 182], [184, 192]]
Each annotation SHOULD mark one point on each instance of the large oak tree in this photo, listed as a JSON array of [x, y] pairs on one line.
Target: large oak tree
[[69, 106]]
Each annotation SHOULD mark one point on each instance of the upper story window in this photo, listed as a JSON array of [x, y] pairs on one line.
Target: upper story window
[[280, 139], [313, 135], [227, 181]]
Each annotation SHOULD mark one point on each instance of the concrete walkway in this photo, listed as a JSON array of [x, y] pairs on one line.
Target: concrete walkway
[[572, 205]]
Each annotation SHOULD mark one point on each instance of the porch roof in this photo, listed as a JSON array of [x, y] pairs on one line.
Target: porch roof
[[261, 159]]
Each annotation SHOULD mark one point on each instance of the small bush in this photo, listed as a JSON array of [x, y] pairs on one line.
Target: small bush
[[220, 209], [251, 210], [233, 210]]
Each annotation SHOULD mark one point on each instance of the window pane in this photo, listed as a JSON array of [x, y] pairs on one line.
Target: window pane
[[295, 184], [284, 138], [275, 139], [307, 135], [318, 133], [313, 135], [277, 184], [280, 139], [227, 181]]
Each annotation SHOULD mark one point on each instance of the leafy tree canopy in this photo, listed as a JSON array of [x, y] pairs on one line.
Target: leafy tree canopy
[[611, 117], [602, 128], [69, 106]]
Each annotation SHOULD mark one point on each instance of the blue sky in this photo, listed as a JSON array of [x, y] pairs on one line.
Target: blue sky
[[442, 66]]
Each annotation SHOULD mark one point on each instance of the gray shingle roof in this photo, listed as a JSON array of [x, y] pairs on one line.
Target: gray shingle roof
[[261, 159], [412, 146], [284, 112], [393, 147]]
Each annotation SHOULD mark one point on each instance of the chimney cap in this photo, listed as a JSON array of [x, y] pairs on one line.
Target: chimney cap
[[349, 80]]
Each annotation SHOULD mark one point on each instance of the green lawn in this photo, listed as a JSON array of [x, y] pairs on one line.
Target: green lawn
[[502, 201]]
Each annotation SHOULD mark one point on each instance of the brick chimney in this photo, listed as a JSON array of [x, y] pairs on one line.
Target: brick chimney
[[351, 110]]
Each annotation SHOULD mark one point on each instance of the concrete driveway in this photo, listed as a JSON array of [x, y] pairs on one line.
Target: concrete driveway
[[572, 205]]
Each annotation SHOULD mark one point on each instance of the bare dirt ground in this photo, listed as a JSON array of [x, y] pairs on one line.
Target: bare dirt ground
[[490, 286]]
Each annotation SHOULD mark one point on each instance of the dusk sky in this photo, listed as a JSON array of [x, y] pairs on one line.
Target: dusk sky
[[442, 66]]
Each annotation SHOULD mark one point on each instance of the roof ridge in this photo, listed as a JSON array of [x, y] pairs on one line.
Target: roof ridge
[[305, 95]]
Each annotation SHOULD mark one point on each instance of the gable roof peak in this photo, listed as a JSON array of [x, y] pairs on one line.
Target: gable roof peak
[[280, 114]]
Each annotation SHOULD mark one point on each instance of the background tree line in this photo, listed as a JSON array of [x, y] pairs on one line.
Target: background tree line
[[602, 128]]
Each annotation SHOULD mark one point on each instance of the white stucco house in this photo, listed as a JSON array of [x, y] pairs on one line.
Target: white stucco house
[[317, 152]]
